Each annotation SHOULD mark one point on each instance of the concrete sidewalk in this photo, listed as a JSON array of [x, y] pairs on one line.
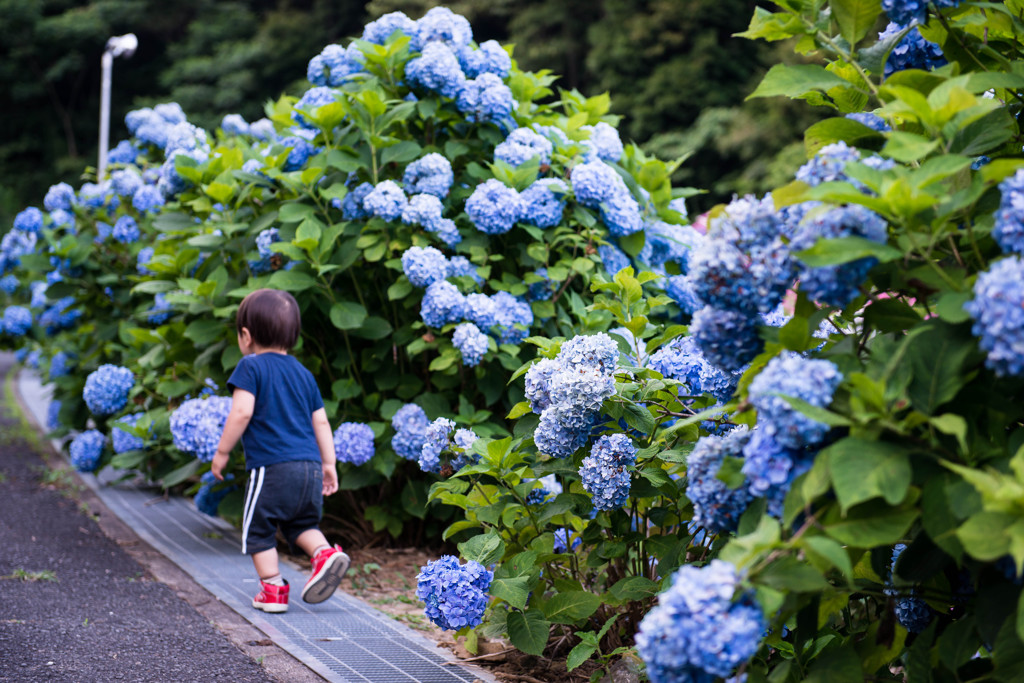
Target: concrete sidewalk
[[342, 639]]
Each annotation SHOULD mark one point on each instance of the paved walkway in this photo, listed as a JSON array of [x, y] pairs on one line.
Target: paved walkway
[[342, 639]]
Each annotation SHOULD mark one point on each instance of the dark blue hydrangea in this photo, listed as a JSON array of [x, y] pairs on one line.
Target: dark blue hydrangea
[[838, 285], [703, 626], [424, 210], [437, 70], [148, 199], [353, 443], [455, 595], [60, 316], [471, 343], [998, 312], [142, 260], [17, 321], [123, 153], [301, 151], [352, 206], [379, 30], [912, 52], [564, 542], [543, 203], [612, 258], [494, 207], [410, 425], [210, 495], [386, 201], [234, 124], [29, 220], [443, 26], [605, 472], [126, 230], [161, 310], [431, 174], [512, 318], [106, 389], [669, 243], [486, 98], [716, 507], [872, 121], [680, 289], [197, 424], [770, 468], [460, 266], [727, 339], [489, 58], [606, 140], [790, 374], [521, 146], [912, 612], [9, 284], [124, 441], [95, 195], [681, 359], [86, 450], [424, 266], [543, 289], [59, 196], [905, 12], [443, 303], [1009, 227], [311, 100], [53, 415]]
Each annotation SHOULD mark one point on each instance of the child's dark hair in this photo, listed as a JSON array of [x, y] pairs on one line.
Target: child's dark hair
[[272, 317]]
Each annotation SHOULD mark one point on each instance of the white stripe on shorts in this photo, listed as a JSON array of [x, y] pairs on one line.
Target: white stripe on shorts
[[253, 495]]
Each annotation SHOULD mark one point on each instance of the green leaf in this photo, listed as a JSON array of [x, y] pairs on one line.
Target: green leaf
[[484, 548], [908, 147], [830, 252], [985, 535], [374, 328], [870, 524], [796, 80], [939, 358], [826, 132], [570, 606], [294, 212], [836, 664], [638, 417], [635, 588], [579, 654], [890, 315], [791, 575], [528, 631], [831, 551], [862, 470], [404, 151], [205, 330], [514, 591], [518, 410], [179, 475], [291, 281], [855, 17], [347, 315], [950, 306]]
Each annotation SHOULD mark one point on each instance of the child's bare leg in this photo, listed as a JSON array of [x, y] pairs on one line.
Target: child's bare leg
[[311, 540], [265, 562]]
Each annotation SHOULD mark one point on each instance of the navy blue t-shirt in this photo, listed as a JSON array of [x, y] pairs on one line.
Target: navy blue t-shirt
[[281, 428]]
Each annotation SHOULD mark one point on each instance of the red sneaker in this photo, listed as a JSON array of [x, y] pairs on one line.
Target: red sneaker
[[329, 567], [272, 598]]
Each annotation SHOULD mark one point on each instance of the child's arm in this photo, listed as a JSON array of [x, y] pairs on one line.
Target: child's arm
[[322, 429], [242, 403]]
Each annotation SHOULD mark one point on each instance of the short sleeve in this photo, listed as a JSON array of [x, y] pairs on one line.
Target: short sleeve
[[244, 377]]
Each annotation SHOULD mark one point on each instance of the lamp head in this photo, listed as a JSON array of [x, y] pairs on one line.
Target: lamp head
[[122, 46]]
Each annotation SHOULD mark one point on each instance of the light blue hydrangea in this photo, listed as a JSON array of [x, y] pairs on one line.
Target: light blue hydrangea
[[334, 65], [311, 100], [63, 218], [441, 25], [521, 146], [17, 321], [668, 243], [494, 207], [410, 425], [480, 310], [106, 389], [1009, 226], [86, 450], [9, 284], [490, 58], [512, 318], [471, 343], [431, 174], [872, 121], [126, 181], [353, 443], [210, 494], [437, 439], [576, 394], [424, 265], [728, 339], [605, 472], [59, 196], [38, 289], [161, 310], [126, 230], [680, 289], [143, 258], [14, 245], [543, 203], [437, 70], [60, 365], [771, 468], [386, 201], [124, 441], [590, 350], [171, 181], [612, 258], [485, 98], [463, 441], [455, 595], [424, 210], [716, 506], [790, 374], [148, 199], [912, 52], [197, 424], [606, 140], [998, 312], [262, 129], [443, 303], [301, 151], [123, 153], [828, 165], [460, 266], [379, 30], [29, 220], [352, 206], [703, 626], [234, 124], [254, 166], [621, 213], [538, 383], [266, 238], [53, 415], [60, 315], [681, 359], [184, 137], [595, 182]]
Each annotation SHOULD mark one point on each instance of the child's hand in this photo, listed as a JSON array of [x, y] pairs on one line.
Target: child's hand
[[330, 478], [220, 461]]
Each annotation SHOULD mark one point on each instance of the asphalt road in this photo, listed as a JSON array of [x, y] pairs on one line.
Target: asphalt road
[[74, 606]]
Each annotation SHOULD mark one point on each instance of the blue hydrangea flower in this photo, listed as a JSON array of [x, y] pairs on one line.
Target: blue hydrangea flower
[[311, 100], [301, 151], [9, 284], [621, 213], [564, 542], [210, 495], [838, 285], [262, 129], [911, 611], [912, 52], [386, 201], [148, 198], [538, 383], [409, 418], [727, 339], [606, 140], [161, 310], [576, 394], [379, 30], [605, 472], [424, 210], [455, 595], [353, 442], [543, 289], [828, 165], [106, 389], [124, 441], [437, 439], [14, 245], [17, 321], [590, 350], [771, 468], [352, 206], [437, 70], [59, 196], [463, 441], [234, 124], [126, 181], [872, 121], [185, 137], [334, 65], [595, 182], [494, 207], [126, 230], [790, 374], [443, 26], [667, 243], [703, 626], [431, 174], [266, 238], [59, 365], [612, 258], [29, 220], [682, 359], [679, 288], [998, 312], [63, 218], [144, 257], [254, 166], [485, 98], [410, 425], [471, 343], [1009, 227], [38, 289], [512, 318], [489, 58], [716, 507], [460, 266], [543, 203], [443, 303], [424, 265], [197, 424], [480, 310], [123, 153], [521, 146], [86, 450], [53, 415], [60, 315]]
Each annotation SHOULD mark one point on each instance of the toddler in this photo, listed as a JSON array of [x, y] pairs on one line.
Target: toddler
[[277, 412]]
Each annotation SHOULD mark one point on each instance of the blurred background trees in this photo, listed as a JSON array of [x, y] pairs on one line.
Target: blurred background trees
[[675, 73]]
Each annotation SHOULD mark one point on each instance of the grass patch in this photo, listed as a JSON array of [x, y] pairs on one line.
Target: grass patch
[[22, 430], [25, 575]]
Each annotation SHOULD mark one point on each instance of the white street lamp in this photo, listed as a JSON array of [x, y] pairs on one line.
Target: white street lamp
[[117, 46]]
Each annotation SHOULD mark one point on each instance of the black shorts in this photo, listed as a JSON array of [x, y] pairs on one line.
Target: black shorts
[[289, 496]]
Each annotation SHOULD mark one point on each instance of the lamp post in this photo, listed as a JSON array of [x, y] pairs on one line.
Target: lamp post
[[117, 46]]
